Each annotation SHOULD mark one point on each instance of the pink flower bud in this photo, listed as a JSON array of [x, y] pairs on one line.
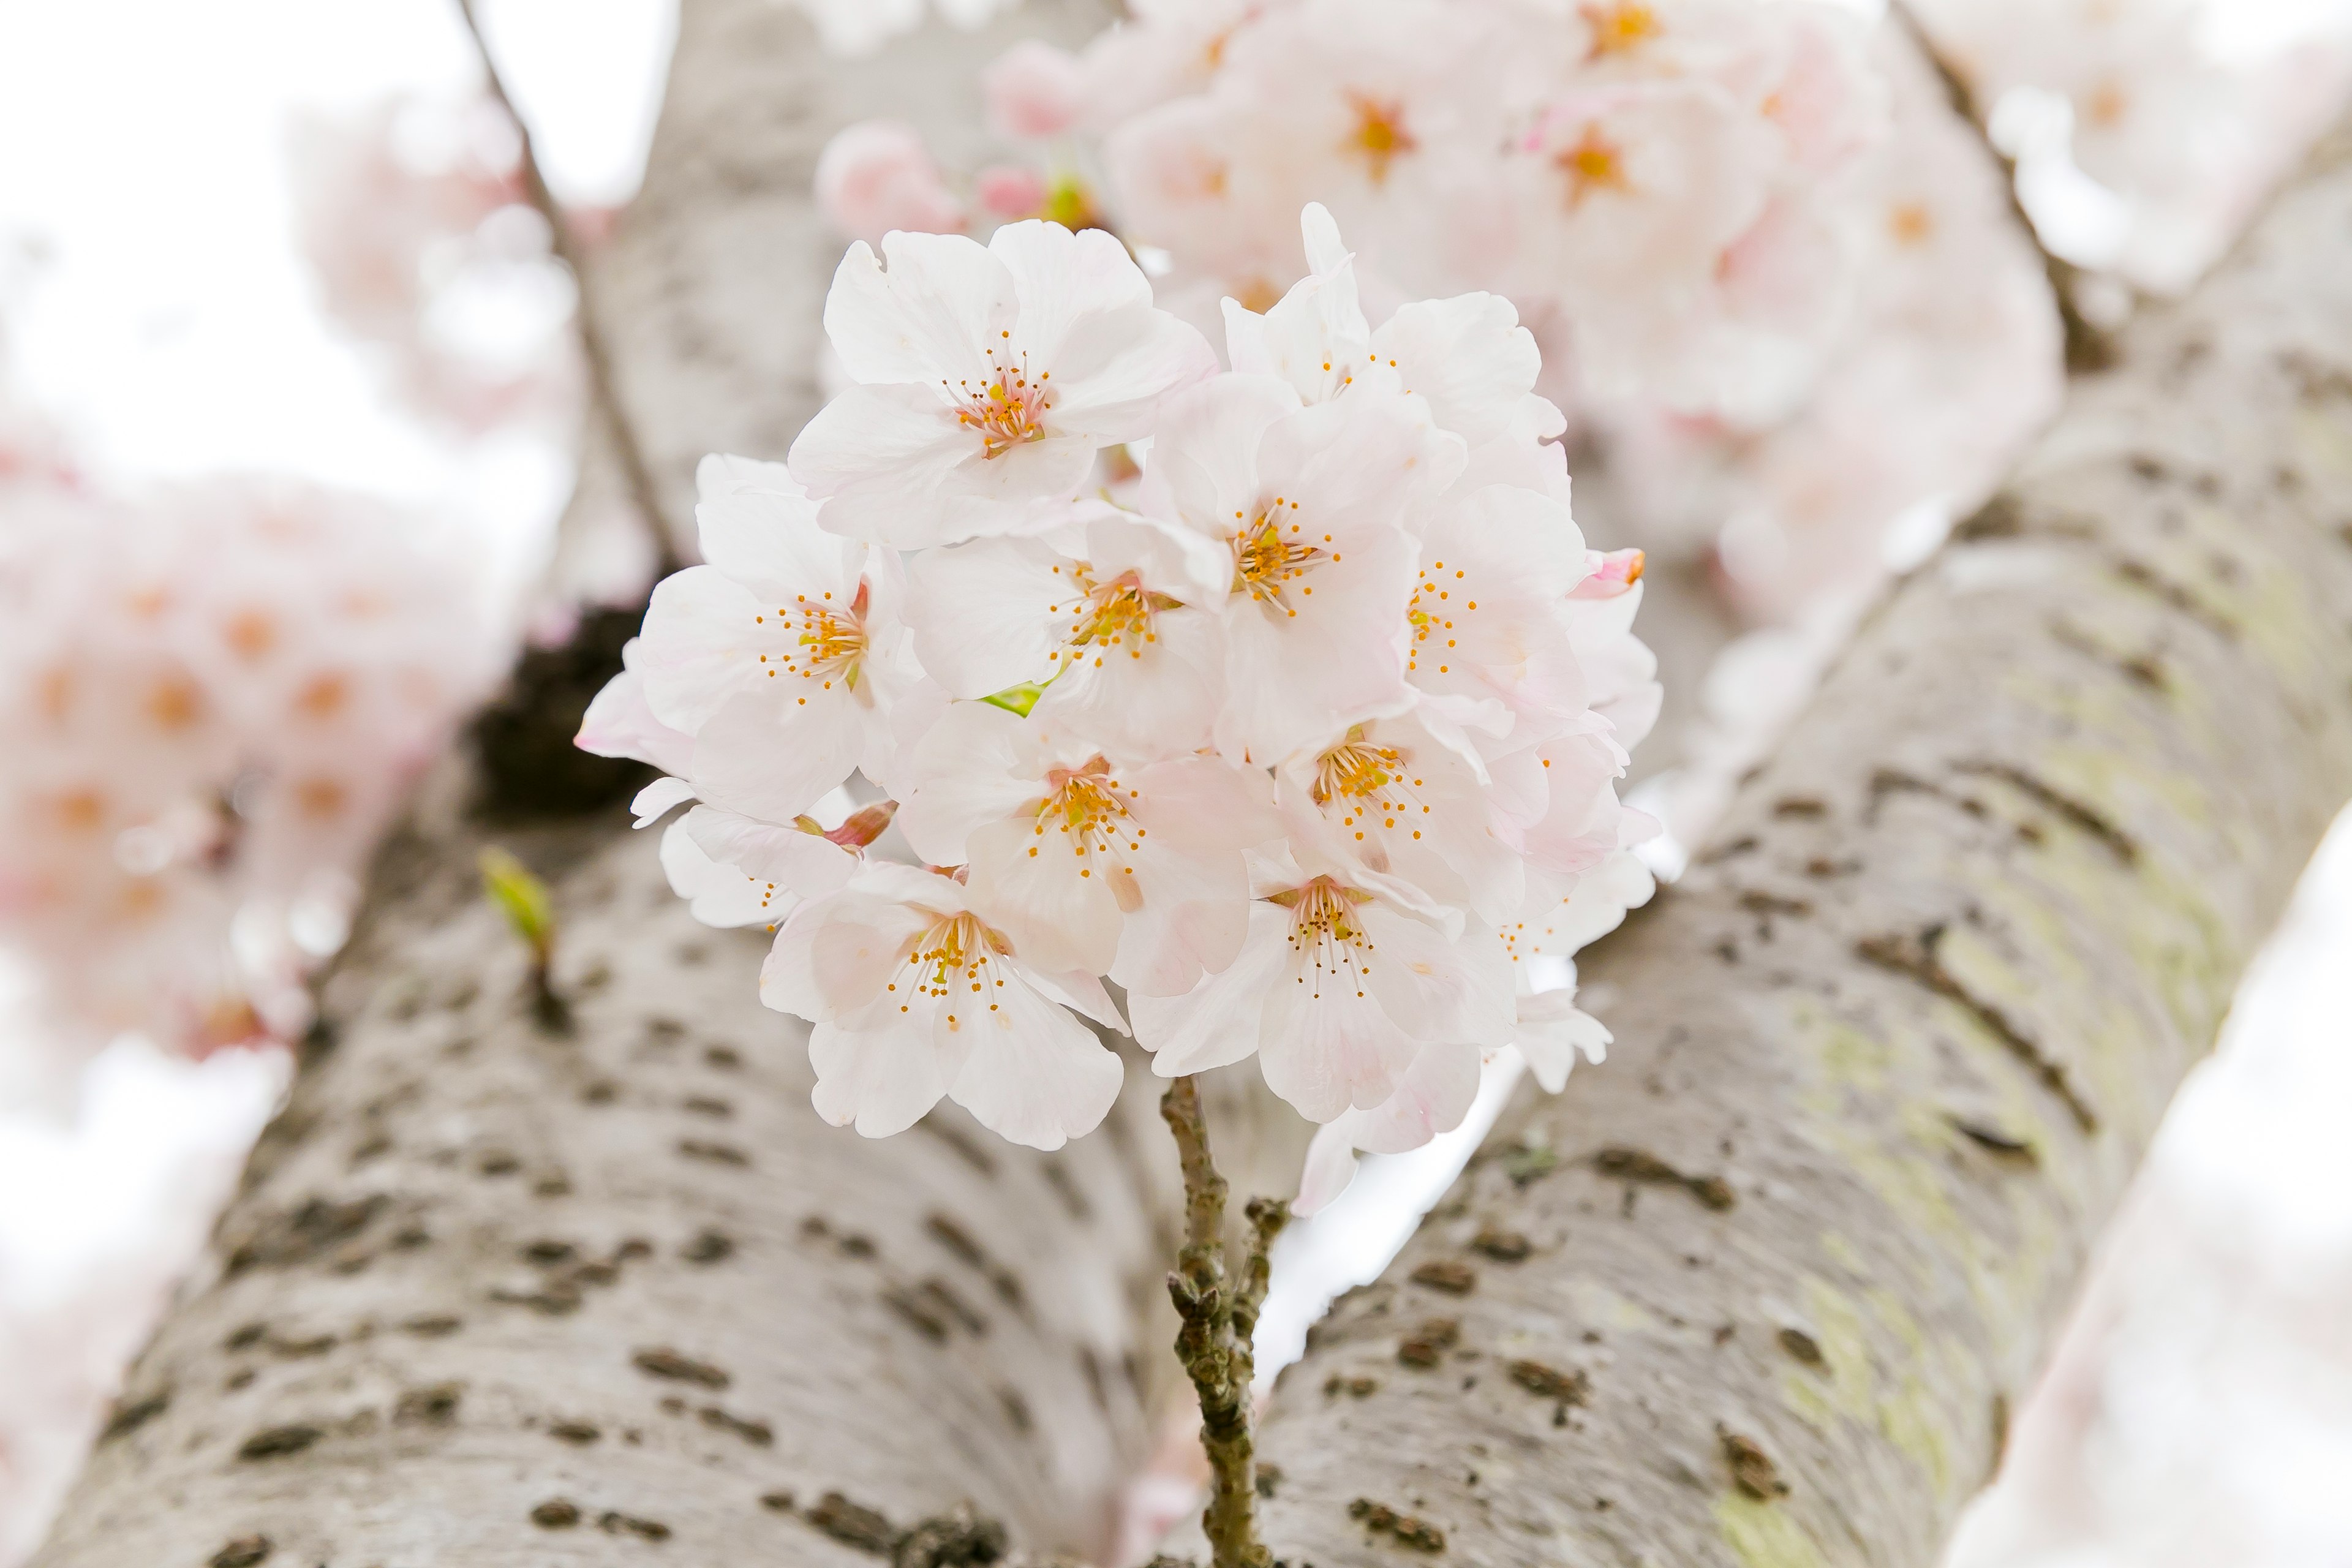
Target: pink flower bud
[[876, 175], [1013, 190], [1034, 91], [1613, 572]]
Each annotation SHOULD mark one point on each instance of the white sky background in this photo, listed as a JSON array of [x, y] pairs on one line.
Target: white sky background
[[170, 325]]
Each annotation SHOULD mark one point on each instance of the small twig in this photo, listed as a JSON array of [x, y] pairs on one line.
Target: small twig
[[1213, 1341], [603, 383], [2088, 349]]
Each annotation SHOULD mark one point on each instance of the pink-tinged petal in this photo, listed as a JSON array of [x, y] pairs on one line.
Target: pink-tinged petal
[[718, 894], [853, 960], [835, 954], [1328, 1045], [1362, 458], [1012, 190], [1204, 804], [1059, 906], [1061, 281], [1436, 989], [1593, 909], [1193, 908], [985, 613], [1034, 90], [620, 722], [1221, 1020], [1552, 1033], [704, 639], [790, 858], [1432, 1098], [1083, 994], [653, 802], [772, 544], [1162, 703], [1177, 937], [894, 441], [965, 772], [1296, 670], [1032, 1074], [931, 318], [876, 175], [1114, 370], [1467, 356], [1203, 467], [1330, 1168], [1611, 574], [774, 758], [1314, 338], [881, 1073], [1167, 557]]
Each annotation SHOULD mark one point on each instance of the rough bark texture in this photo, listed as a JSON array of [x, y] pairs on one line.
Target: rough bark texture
[[493, 1293], [1760, 1291]]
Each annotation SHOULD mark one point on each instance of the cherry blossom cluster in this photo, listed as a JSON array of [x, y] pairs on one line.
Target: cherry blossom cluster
[[1950, 359], [1717, 218], [214, 696], [1286, 699], [413, 216], [2146, 131], [1656, 182]]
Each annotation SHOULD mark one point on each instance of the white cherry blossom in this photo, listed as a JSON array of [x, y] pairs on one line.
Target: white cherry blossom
[[1550, 1033], [1309, 506], [1286, 727], [913, 994], [987, 378], [1335, 990], [1397, 801], [780, 656], [1108, 613], [1136, 872]]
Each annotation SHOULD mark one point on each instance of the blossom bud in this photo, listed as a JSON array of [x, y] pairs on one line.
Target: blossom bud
[[1613, 572], [1034, 91], [1012, 190], [876, 175]]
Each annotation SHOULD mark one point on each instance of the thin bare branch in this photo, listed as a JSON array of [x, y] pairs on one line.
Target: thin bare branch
[[603, 382]]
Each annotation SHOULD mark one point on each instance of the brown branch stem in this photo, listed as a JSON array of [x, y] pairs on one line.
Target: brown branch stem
[[1219, 1316], [603, 380]]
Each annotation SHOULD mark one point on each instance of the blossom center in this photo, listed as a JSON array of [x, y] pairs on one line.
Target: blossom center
[[1008, 409], [1593, 164], [1911, 224], [1326, 934], [828, 642], [1380, 134], [953, 960], [1369, 785], [1115, 614], [1440, 593], [1622, 26], [1270, 555], [1089, 806]]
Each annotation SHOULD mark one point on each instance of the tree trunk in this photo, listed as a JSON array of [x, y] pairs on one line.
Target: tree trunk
[[1762, 1290], [499, 1289]]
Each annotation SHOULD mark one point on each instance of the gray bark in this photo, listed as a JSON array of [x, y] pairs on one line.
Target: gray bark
[[497, 1291], [1762, 1290]]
